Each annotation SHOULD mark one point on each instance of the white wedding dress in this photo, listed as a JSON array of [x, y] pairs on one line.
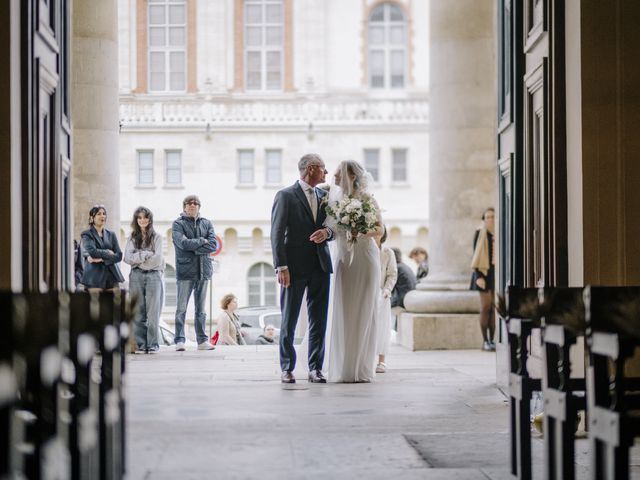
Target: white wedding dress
[[354, 311], [352, 323]]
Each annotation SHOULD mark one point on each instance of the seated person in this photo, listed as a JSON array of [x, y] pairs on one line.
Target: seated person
[[268, 337], [229, 323], [405, 283]]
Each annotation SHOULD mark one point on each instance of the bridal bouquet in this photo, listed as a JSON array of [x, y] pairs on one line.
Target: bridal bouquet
[[354, 215]]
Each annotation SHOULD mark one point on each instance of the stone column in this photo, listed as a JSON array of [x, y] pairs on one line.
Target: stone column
[[94, 110], [462, 168]]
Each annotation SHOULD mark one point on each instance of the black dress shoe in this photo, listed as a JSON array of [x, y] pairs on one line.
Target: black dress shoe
[[287, 377], [315, 376]]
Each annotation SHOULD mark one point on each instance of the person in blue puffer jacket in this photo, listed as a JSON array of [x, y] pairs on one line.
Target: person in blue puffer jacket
[[194, 239]]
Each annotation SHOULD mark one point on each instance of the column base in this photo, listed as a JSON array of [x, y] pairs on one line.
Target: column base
[[442, 314], [441, 331]]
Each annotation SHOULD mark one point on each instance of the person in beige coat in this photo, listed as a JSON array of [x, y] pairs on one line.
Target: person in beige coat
[[229, 323], [388, 277]]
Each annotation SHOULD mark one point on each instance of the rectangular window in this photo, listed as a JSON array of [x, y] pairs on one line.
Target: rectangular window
[[399, 165], [263, 44], [167, 45], [273, 167], [173, 167], [245, 167], [372, 162], [145, 167]]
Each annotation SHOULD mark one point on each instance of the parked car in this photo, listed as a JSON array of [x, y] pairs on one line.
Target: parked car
[[167, 335], [254, 319]]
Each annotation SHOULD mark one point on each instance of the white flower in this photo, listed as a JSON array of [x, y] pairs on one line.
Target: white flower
[[345, 219]]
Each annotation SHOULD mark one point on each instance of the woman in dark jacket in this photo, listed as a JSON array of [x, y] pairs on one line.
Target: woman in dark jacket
[[102, 252], [483, 276]]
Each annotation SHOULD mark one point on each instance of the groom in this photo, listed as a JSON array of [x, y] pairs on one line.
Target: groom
[[302, 261]]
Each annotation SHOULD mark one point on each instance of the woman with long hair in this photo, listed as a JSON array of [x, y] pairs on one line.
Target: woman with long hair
[[144, 253], [483, 276], [354, 317], [102, 252]]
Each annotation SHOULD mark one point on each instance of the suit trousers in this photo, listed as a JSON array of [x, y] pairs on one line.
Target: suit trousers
[[317, 287]]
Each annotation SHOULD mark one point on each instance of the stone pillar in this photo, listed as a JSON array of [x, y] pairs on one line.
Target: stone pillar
[[462, 168], [94, 110]]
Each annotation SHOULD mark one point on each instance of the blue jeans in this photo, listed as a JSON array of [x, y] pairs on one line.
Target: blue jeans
[[146, 288], [199, 289]]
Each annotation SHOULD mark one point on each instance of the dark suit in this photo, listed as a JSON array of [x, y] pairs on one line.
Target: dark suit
[[405, 283], [105, 274], [309, 267]]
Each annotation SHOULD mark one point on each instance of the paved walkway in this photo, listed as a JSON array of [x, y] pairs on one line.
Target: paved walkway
[[224, 414]]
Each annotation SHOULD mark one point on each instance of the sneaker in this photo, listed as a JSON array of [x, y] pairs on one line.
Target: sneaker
[[381, 368], [493, 346], [206, 346], [180, 347], [153, 350], [486, 346], [140, 350]]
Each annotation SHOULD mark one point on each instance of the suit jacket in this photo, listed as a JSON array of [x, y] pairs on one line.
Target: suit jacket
[[406, 282], [291, 226], [98, 275]]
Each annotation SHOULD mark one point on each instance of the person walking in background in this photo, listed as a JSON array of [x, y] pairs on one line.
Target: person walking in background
[[194, 239], [483, 276], [229, 324], [144, 253], [421, 257], [388, 277], [405, 283], [102, 252]]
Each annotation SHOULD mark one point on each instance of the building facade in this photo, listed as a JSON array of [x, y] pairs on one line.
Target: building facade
[[222, 97]]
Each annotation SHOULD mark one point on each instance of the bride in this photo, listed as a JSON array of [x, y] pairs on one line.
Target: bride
[[353, 313]]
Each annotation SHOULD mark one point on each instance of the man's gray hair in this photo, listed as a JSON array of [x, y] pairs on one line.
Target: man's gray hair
[[308, 159]]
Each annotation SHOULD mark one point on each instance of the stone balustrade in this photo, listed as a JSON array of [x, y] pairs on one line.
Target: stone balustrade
[[272, 113]]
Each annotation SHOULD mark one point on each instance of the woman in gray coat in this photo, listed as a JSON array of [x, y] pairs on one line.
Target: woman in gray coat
[[102, 252]]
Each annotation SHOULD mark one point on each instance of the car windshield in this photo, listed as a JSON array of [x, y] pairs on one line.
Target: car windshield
[[274, 319], [248, 319]]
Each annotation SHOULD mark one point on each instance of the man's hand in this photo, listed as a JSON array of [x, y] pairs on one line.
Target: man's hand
[[386, 293], [481, 283], [319, 236], [284, 278], [94, 260]]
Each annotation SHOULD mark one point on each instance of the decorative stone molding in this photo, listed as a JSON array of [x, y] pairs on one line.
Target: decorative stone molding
[[199, 114]]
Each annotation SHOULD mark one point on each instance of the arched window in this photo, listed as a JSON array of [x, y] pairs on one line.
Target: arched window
[[422, 238], [230, 241], [257, 240], [262, 285], [395, 237], [170, 287], [387, 47]]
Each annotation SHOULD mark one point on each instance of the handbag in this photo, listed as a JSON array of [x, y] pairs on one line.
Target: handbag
[[214, 339]]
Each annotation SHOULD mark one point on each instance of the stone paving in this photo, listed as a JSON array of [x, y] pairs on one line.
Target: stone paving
[[224, 414]]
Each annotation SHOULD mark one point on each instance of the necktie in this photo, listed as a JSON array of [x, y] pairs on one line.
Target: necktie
[[313, 202]]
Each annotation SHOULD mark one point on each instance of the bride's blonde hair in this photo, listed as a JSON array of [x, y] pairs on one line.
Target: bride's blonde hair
[[351, 168]]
